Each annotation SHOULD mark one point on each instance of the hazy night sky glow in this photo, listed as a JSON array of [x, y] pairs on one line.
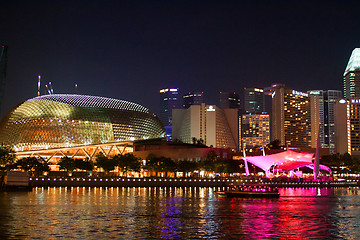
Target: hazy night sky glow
[[130, 49]]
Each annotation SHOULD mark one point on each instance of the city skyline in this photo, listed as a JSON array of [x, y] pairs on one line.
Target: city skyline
[[129, 51]]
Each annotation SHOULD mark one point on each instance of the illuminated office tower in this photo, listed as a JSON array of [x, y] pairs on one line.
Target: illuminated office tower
[[291, 118], [323, 117], [254, 101], [347, 124], [3, 63], [215, 126], [254, 130], [193, 98], [169, 100], [352, 76], [229, 100]]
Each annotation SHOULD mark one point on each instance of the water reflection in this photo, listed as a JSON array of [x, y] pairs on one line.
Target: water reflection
[[178, 213]]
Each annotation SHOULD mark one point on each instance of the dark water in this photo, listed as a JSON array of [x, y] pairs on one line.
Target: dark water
[[178, 213]]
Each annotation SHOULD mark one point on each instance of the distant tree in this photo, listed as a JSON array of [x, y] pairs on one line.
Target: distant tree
[[225, 166], [129, 162], [167, 165], [186, 166], [108, 164], [7, 155], [67, 164], [151, 163], [35, 166], [211, 162], [160, 164], [199, 142], [84, 164]]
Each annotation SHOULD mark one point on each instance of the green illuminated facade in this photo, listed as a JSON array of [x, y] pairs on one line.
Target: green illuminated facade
[[59, 120]]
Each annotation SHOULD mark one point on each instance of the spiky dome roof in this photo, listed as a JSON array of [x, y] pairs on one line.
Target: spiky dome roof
[[62, 120]]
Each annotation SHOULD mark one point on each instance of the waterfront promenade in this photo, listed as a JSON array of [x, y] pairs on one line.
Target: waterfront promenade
[[175, 182]]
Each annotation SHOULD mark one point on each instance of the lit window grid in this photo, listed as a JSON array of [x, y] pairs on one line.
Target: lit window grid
[[297, 121], [255, 137]]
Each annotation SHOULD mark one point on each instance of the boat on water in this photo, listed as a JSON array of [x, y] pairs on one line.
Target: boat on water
[[251, 192]]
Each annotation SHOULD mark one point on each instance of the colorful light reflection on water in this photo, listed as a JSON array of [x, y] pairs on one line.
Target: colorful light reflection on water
[[178, 213]]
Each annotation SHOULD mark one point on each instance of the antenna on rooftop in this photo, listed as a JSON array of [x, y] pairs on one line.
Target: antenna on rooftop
[[38, 92], [51, 89], [47, 88]]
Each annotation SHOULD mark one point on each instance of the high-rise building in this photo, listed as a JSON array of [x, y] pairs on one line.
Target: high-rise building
[[347, 124], [254, 101], [254, 130], [3, 63], [291, 118], [229, 100], [193, 98], [323, 117], [215, 126], [169, 100], [352, 76]]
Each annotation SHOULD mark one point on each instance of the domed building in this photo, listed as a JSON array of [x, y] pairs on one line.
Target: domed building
[[62, 121]]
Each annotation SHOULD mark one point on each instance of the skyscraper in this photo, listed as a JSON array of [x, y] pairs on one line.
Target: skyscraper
[[323, 117], [193, 98], [291, 118], [352, 76], [215, 126], [255, 130], [254, 101], [229, 100], [169, 100], [3, 63], [347, 120]]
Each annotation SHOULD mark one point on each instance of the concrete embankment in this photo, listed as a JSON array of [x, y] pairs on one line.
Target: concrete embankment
[[172, 182]]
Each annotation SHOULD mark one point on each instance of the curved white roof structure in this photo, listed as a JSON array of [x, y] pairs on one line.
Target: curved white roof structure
[[286, 161]]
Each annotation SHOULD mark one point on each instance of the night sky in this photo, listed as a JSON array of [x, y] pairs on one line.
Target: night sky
[[130, 49]]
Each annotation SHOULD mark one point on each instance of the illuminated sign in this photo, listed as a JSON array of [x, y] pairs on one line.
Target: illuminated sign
[[300, 93], [353, 100], [317, 92], [211, 109], [164, 90], [173, 89], [342, 101]]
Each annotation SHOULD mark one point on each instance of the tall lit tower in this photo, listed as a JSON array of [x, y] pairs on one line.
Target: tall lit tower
[[352, 76], [169, 100], [3, 63], [254, 100], [193, 98], [229, 100], [291, 117], [322, 105]]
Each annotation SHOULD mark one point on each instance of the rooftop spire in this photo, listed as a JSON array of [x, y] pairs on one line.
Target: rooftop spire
[[354, 62]]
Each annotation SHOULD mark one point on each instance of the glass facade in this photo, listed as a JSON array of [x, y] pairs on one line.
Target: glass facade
[[56, 121], [352, 76], [255, 130], [229, 100], [254, 100]]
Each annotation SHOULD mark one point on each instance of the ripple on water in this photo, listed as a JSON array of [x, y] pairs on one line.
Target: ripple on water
[[177, 213]]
